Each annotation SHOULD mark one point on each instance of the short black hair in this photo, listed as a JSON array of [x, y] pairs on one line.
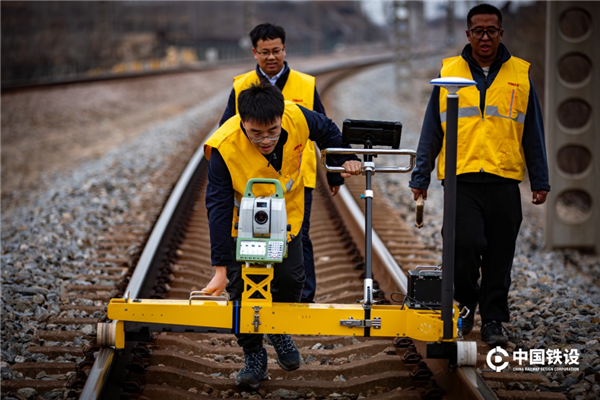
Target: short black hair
[[261, 103], [266, 32], [484, 9]]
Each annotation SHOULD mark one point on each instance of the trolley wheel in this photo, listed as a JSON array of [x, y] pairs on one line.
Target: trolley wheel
[[106, 334], [466, 353]]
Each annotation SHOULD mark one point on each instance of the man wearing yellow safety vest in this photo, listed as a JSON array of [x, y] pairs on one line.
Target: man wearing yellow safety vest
[[500, 134], [266, 139], [268, 43]]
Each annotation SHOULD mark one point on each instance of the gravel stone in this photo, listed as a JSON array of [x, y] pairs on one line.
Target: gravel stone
[[310, 358], [88, 329], [28, 393], [285, 394]]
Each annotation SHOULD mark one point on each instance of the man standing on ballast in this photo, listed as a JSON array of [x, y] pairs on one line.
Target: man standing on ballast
[[500, 134]]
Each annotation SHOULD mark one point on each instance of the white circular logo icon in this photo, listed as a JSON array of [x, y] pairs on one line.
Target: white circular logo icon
[[493, 359]]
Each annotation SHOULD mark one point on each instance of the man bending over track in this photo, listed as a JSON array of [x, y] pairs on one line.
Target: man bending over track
[[265, 140]]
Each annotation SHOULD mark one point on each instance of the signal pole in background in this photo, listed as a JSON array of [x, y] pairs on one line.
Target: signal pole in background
[[450, 38], [104, 33], [249, 23], [402, 47], [316, 23]]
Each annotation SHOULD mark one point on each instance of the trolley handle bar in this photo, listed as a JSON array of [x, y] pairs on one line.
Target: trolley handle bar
[[202, 295], [402, 152]]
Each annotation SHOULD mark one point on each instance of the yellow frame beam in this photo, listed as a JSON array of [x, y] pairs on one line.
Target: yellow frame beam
[[257, 314], [290, 318]]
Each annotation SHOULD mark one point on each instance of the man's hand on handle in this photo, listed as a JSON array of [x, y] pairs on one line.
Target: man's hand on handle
[[352, 167], [218, 282]]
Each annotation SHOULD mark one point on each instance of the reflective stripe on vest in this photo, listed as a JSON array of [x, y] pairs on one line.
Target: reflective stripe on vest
[[299, 88], [491, 142], [244, 162]]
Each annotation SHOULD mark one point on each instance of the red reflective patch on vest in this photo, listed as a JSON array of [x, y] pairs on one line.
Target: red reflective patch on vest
[[513, 84], [297, 100], [297, 147]]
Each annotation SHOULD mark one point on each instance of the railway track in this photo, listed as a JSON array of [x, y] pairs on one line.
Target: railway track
[[204, 365]]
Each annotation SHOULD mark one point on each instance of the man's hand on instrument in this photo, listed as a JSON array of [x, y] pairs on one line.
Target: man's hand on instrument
[[218, 282], [417, 192], [352, 167]]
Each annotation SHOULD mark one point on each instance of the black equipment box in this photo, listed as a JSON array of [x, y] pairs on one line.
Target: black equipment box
[[425, 286], [377, 133]]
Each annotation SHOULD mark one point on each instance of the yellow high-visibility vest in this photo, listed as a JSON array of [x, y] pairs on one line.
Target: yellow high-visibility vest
[[299, 88], [490, 142], [245, 161]]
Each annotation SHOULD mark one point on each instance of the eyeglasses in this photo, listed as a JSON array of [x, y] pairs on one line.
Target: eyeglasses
[[272, 138], [478, 33], [266, 54]]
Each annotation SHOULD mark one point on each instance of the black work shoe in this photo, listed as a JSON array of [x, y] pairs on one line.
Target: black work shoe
[[492, 333], [288, 356], [469, 320], [254, 371]]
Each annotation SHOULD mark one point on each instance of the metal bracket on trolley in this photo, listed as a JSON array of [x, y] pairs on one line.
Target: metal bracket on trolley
[[375, 323], [256, 321]]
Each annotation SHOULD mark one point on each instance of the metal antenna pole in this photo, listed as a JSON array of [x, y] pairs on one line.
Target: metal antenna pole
[[368, 196], [369, 166], [449, 213], [452, 85]]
